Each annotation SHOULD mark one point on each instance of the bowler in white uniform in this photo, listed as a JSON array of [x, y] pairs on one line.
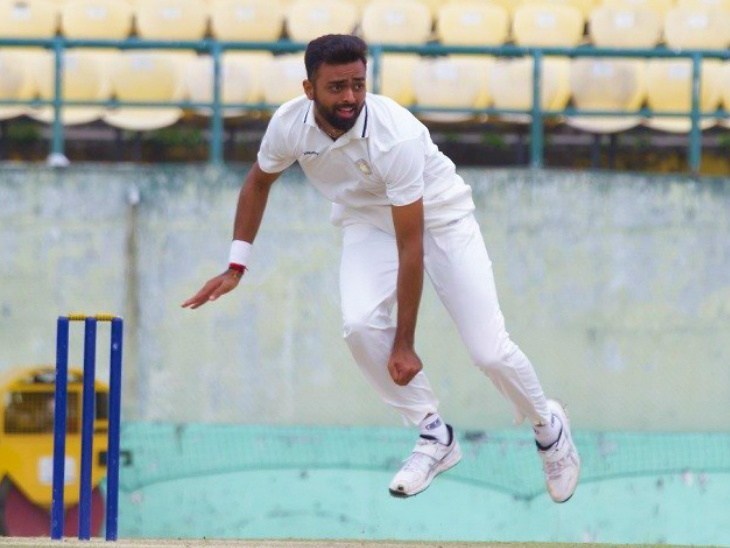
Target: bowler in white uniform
[[403, 211]]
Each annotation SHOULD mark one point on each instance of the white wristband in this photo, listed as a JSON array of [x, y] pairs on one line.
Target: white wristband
[[240, 252]]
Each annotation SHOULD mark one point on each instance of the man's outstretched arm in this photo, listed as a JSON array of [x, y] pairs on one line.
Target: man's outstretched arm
[[252, 201]]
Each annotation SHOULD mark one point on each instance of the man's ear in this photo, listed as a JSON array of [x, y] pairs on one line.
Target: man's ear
[[308, 89]]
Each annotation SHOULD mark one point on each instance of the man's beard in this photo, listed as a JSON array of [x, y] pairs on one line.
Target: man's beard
[[337, 122]]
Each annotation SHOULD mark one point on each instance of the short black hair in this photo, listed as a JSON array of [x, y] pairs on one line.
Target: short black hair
[[334, 49]]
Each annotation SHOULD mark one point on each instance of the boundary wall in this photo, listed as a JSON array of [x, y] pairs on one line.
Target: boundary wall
[[616, 285]]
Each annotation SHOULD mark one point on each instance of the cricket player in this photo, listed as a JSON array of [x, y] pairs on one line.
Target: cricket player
[[403, 210]]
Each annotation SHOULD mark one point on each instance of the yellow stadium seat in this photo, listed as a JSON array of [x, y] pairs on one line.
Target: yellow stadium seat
[[308, 19], [509, 5], [16, 82], [96, 19], [723, 5], [669, 89], [149, 76], [547, 25], [661, 7], [247, 20], [433, 5], [396, 22], [360, 4], [625, 27], [256, 61], [479, 65], [84, 78], [396, 77], [689, 28], [239, 80], [472, 24], [510, 83], [445, 82], [171, 19], [560, 68], [585, 6], [282, 78], [28, 19], [607, 84]]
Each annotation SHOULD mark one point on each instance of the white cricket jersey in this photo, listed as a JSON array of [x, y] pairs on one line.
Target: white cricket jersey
[[387, 158]]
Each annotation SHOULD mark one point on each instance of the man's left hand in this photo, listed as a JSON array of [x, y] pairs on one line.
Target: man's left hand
[[403, 366]]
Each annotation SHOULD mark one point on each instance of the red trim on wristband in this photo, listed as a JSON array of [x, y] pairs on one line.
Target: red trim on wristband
[[237, 267]]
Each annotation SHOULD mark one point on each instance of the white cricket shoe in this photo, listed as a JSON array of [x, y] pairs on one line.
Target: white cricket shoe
[[560, 461], [429, 458]]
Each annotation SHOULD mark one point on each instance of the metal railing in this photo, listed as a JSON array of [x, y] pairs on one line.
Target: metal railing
[[216, 49]]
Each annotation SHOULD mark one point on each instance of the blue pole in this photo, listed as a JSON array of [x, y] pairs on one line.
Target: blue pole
[[216, 119], [57, 145], [377, 56], [59, 429], [87, 429], [695, 134], [115, 404], [536, 128]]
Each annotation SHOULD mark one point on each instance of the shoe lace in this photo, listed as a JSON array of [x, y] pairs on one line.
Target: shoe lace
[[555, 469], [554, 463], [417, 461]]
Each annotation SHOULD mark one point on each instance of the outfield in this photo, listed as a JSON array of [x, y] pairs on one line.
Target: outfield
[[189, 543]]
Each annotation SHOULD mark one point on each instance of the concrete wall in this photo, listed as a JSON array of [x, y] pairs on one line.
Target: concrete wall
[[240, 481], [616, 285]]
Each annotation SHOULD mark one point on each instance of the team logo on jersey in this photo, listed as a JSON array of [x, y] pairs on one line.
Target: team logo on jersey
[[364, 167]]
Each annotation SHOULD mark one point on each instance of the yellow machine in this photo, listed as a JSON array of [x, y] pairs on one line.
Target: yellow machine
[[26, 446]]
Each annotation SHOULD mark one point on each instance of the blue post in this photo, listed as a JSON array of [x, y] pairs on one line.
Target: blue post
[[216, 119], [695, 134], [377, 57], [59, 429], [536, 129], [115, 404], [57, 145], [87, 429]]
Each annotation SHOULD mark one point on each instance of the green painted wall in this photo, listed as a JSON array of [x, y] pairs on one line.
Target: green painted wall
[[616, 285], [234, 481]]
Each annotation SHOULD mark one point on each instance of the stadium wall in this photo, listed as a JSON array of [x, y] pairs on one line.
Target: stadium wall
[[249, 415], [616, 285]]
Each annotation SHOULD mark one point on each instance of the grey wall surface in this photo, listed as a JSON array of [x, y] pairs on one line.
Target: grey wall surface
[[616, 285]]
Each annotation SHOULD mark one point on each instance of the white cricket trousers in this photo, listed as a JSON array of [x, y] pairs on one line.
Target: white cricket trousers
[[457, 263]]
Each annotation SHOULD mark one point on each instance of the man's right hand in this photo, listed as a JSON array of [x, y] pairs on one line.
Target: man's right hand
[[214, 288]]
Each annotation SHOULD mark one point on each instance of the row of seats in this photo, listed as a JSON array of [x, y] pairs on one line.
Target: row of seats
[[444, 82], [609, 23]]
